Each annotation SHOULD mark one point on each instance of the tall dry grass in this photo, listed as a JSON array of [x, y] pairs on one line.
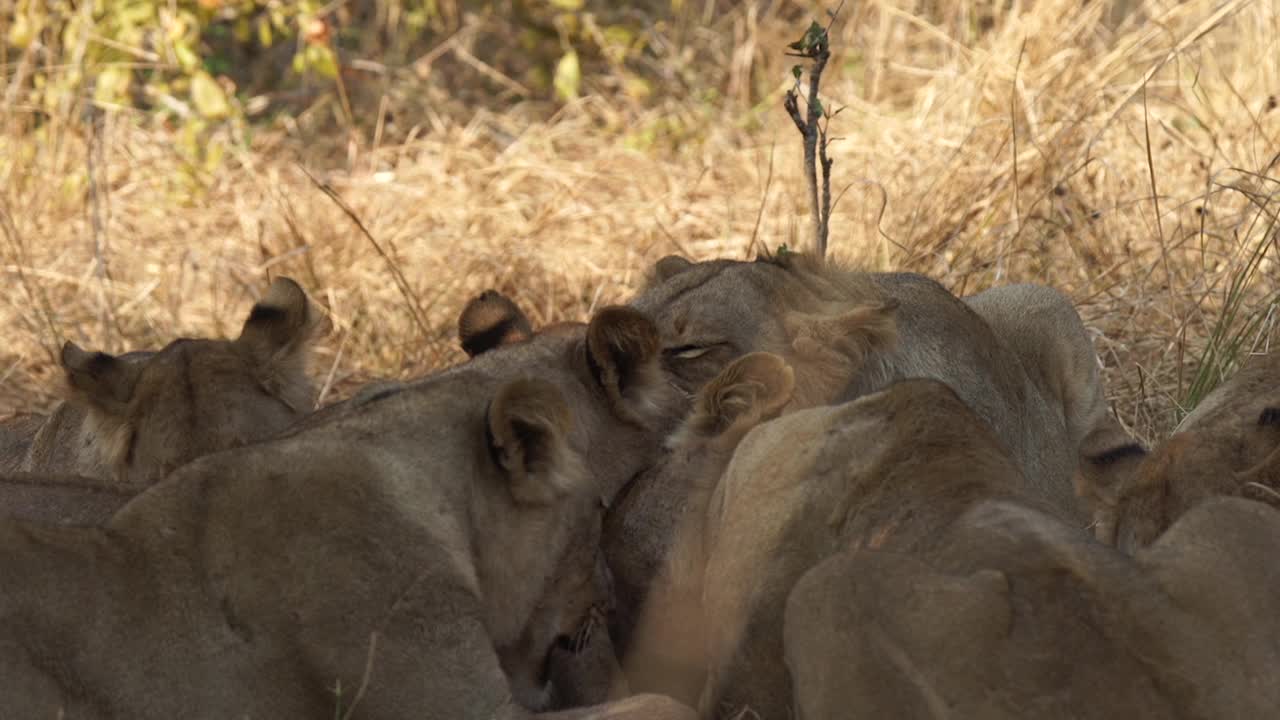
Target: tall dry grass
[[1124, 154]]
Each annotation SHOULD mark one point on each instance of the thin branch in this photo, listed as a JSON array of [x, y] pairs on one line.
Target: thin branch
[[98, 197], [35, 294], [1151, 170], [406, 291], [815, 45], [1013, 124], [825, 227], [764, 199], [364, 678]]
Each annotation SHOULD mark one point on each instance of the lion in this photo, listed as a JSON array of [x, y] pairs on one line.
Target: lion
[[16, 433], [1015, 615], [640, 523], [134, 418], [1042, 328], [404, 557], [892, 470], [849, 333], [60, 499], [1228, 445], [652, 531]]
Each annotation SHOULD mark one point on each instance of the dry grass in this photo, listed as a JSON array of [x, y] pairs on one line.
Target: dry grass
[[1133, 167]]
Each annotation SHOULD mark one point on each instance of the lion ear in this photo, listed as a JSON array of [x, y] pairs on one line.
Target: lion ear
[[105, 381], [668, 267], [528, 426], [624, 353], [750, 390], [491, 320], [1108, 460], [279, 325]]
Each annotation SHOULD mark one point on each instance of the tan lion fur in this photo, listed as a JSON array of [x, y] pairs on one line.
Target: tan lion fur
[[1016, 615], [892, 470], [653, 534], [60, 499], [1043, 329], [133, 418], [382, 551], [848, 333], [1226, 446]]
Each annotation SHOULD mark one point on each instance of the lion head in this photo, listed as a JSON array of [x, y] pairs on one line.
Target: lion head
[[1229, 445], [1187, 469], [135, 417], [848, 333], [826, 323], [425, 546]]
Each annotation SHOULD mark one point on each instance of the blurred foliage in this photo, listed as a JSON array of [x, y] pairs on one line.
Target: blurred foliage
[[177, 62], [209, 65]]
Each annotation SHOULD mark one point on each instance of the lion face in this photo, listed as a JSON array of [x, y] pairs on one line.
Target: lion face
[[1228, 446], [824, 326], [1189, 468], [452, 521], [563, 452]]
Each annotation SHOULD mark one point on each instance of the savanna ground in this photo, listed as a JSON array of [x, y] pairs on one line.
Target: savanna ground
[[1124, 152]]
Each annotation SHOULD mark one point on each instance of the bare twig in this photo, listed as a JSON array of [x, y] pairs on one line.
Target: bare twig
[[1013, 124], [333, 369], [364, 678], [826, 191], [98, 198], [411, 300], [1151, 172], [36, 296], [815, 46], [764, 199], [1267, 493]]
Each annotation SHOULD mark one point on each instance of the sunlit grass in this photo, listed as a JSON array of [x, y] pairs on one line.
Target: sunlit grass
[[1131, 164]]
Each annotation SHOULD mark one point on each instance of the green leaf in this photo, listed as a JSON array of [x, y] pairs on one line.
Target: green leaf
[[142, 13], [636, 87], [208, 98], [568, 77], [264, 32], [321, 59], [112, 86], [21, 32], [796, 70], [617, 42], [797, 45], [187, 58], [816, 104]]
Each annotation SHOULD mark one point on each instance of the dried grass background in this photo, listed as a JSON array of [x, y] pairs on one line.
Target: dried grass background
[[1127, 155]]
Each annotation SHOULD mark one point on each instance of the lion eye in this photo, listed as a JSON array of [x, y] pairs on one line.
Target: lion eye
[[688, 352]]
